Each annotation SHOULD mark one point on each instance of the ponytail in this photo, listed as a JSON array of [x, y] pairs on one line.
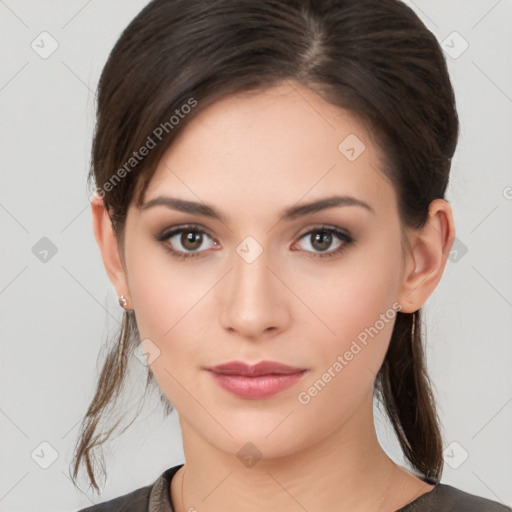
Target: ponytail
[[405, 391]]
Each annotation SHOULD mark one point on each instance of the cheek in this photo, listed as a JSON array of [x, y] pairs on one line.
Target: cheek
[[351, 297], [170, 306], [357, 312], [347, 363], [166, 293]]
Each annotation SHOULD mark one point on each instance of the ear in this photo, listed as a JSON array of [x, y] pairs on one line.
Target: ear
[[426, 256], [108, 244]]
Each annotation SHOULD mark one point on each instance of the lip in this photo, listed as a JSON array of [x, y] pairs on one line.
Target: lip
[[255, 382], [256, 370]]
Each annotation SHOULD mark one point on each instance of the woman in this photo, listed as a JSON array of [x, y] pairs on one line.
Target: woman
[[269, 205]]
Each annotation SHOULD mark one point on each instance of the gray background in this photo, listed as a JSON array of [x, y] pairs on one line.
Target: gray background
[[57, 309]]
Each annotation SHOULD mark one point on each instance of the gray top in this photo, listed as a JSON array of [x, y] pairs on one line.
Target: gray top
[[156, 498]]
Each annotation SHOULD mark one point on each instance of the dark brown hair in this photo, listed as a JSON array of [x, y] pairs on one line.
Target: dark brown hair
[[374, 58]]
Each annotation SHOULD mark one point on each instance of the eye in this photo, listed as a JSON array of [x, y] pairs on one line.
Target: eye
[[190, 238], [320, 239]]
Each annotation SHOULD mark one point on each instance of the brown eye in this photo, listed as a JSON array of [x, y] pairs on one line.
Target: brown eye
[[321, 239], [191, 240], [185, 241]]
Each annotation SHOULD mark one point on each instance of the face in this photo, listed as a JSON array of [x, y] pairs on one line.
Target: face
[[317, 290]]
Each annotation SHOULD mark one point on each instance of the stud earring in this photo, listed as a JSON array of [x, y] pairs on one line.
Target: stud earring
[[123, 303]]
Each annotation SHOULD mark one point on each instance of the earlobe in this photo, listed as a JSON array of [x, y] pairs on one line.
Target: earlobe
[[427, 256], [108, 245]]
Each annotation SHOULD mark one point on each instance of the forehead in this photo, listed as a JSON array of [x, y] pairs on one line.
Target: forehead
[[272, 147]]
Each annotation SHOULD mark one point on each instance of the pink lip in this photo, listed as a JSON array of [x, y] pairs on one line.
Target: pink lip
[[262, 368], [255, 381]]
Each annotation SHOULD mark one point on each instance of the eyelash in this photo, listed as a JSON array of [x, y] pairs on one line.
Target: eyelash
[[345, 237]]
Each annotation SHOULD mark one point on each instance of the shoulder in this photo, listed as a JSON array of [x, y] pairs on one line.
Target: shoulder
[[458, 499], [445, 498], [135, 501], [150, 498]]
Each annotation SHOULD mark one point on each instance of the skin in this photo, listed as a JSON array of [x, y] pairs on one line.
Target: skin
[[250, 157]]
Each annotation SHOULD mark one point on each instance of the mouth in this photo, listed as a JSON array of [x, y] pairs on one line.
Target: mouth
[[255, 382]]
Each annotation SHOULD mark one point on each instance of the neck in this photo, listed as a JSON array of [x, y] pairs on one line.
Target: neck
[[347, 470]]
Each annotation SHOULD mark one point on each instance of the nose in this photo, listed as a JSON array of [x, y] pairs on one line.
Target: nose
[[254, 300]]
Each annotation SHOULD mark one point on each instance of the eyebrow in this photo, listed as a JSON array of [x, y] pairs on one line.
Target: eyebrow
[[290, 213]]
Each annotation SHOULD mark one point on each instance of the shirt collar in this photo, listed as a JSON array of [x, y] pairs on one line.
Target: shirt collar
[[160, 496]]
